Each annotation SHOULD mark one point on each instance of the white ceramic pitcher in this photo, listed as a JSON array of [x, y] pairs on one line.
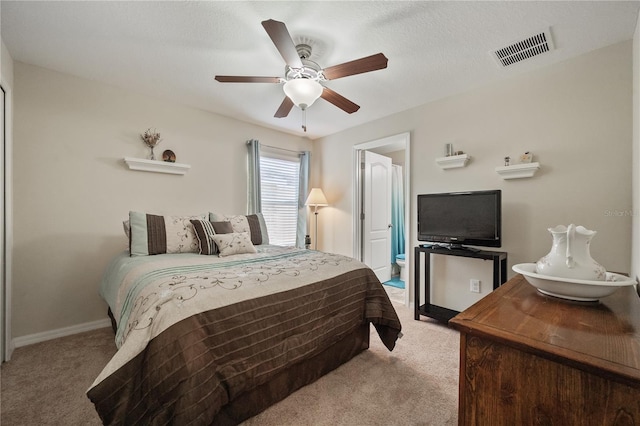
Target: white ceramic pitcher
[[570, 256]]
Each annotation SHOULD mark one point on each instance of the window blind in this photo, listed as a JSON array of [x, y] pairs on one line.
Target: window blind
[[279, 180]]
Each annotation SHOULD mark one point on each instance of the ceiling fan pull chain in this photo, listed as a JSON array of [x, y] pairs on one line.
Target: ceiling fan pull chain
[[304, 120]]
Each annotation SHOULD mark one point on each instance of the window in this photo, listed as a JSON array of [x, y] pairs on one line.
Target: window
[[279, 180]]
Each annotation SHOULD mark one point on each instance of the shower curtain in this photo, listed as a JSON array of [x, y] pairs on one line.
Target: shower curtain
[[397, 212]]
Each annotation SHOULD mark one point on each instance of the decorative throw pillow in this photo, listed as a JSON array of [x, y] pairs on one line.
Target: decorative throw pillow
[[151, 234], [254, 224], [234, 243], [204, 232], [222, 227]]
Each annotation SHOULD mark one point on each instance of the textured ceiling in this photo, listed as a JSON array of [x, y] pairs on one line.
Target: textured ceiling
[[173, 50]]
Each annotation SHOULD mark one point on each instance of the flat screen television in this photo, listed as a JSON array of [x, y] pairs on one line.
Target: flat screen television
[[458, 219]]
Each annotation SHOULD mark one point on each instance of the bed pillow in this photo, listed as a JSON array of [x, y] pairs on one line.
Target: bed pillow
[[151, 234], [205, 230], [222, 227], [254, 224], [234, 243]]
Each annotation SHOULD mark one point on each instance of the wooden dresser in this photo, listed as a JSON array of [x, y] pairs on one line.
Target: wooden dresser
[[531, 359]]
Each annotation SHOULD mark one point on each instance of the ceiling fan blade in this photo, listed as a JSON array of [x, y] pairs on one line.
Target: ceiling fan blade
[[358, 66], [285, 108], [339, 100], [284, 43], [242, 79]]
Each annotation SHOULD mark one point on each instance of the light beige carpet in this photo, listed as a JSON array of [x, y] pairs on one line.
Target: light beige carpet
[[416, 384], [45, 383]]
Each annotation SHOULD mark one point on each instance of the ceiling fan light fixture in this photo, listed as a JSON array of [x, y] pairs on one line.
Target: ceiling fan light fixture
[[303, 92]]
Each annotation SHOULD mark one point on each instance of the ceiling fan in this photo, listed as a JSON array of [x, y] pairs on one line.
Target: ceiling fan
[[303, 77]]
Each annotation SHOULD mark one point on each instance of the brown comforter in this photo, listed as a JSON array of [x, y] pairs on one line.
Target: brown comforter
[[188, 371]]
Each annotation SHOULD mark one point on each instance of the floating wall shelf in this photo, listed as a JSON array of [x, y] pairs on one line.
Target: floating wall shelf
[[518, 171], [156, 166], [453, 161]]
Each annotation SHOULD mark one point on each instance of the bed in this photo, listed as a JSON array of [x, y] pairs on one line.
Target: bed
[[216, 340]]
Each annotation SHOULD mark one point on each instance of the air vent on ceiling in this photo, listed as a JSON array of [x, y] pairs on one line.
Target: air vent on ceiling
[[524, 49]]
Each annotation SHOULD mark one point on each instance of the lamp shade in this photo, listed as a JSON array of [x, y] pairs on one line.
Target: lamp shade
[[316, 198], [302, 91]]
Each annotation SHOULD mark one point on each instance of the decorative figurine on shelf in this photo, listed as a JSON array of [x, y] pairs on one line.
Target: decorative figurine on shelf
[[507, 160], [169, 156], [526, 157], [151, 139]]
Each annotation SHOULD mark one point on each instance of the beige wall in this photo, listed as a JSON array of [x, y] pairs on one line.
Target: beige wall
[[72, 189], [6, 65], [576, 117]]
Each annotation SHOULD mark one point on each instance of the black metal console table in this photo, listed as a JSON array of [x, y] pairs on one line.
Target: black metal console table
[[440, 313]]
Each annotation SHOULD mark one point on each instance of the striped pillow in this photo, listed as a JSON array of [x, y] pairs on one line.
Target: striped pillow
[[254, 224], [205, 230], [152, 234]]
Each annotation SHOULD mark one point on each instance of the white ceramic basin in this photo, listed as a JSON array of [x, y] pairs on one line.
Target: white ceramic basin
[[572, 289]]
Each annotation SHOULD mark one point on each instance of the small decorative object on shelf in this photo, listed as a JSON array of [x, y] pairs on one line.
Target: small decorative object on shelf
[[526, 158], [448, 150], [151, 138], [169, 156], [507, 161]]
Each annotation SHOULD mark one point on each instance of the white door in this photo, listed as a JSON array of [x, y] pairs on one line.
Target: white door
[[376, 209]]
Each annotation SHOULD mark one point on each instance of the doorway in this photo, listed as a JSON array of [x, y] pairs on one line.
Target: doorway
[[396, 147]]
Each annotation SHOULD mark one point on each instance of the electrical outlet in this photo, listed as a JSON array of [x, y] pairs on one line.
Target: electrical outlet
[[474, 286]]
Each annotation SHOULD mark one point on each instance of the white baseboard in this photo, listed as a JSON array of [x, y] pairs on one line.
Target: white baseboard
[[30, 339]]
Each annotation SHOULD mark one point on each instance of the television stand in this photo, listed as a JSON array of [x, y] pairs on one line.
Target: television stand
[[440, 313]]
